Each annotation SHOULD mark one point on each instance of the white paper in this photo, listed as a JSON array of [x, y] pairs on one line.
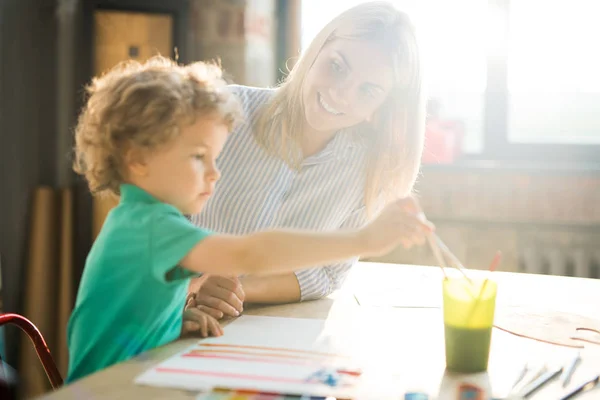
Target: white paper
[[267, 354], [418, 292]]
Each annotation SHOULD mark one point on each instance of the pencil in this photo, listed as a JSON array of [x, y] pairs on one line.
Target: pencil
[[568, 372], [582, 388]]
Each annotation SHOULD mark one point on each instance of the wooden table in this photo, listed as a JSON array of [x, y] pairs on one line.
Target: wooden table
[[405, 340]]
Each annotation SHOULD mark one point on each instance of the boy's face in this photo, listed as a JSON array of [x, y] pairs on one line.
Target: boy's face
[[183, 173]]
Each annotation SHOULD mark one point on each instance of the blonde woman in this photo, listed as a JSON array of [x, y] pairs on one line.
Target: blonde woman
[[338, 139]]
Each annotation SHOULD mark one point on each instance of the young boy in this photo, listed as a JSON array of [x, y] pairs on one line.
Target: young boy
[[150, 133]]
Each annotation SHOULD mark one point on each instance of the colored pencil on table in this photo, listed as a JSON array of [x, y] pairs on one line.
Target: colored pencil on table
[[588, 385]]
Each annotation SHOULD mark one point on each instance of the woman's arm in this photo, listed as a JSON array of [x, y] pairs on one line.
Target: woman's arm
[[305, 284], [317, 283], [302, 285], [287, 288], [273, 289]]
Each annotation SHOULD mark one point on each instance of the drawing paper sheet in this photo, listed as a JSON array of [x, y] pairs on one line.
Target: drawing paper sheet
[[259, 353], [425, 291], [421, 291]]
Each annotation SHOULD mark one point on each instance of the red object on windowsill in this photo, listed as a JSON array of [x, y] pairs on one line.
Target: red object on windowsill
[[443, 141]]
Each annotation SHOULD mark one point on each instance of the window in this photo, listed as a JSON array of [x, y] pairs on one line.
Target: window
[[521, 76], [553, 72]]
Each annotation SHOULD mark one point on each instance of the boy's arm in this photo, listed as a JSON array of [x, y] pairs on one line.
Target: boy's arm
[[306, 284], [270, 251], [280, 251]]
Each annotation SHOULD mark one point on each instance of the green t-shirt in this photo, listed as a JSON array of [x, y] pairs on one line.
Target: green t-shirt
[[132, 292]]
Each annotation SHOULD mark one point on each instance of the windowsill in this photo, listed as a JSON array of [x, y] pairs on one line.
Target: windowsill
[[514, 166]]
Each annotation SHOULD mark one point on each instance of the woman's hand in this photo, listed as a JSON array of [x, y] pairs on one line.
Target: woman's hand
[[219, 296]]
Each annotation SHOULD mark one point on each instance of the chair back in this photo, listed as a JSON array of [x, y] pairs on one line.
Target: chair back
[[41, 348]]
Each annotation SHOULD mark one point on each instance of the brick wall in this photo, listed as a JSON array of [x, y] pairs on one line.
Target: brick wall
[[551, 218], [239, 33], [509, 196]]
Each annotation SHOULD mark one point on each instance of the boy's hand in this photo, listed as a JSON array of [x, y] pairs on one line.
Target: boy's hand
[[195, 320], [220, 296], [401, 222]]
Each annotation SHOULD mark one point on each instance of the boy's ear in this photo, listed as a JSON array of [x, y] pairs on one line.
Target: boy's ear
[[135, 162]]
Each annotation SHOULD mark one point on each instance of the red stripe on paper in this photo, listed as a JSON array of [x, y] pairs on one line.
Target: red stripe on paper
[[249, 359], [227, 375]]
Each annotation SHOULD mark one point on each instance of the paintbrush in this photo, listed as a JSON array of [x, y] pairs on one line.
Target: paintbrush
[[437, 253], [492, 268], [454, 261]]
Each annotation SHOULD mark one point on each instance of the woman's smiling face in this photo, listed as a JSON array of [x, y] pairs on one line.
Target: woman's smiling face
[[347, 83]]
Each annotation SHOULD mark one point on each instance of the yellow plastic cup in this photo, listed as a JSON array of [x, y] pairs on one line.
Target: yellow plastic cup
[[468, 320]]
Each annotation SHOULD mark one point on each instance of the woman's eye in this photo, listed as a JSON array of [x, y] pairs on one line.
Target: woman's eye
[[369, 93], [337, 67], [199, 157]]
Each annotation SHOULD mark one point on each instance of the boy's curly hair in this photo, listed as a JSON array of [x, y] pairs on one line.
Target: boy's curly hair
[[144, 105]]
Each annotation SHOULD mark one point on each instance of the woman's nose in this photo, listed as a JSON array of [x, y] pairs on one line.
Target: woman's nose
[[341, 94]]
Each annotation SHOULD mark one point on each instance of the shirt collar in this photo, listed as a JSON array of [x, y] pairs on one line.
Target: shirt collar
[[338, 147], [135, 194]]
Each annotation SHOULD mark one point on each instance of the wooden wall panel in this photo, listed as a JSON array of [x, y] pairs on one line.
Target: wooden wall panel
[[27, 131], [119, 36]]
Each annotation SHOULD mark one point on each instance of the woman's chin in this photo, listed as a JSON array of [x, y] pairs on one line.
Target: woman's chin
[[321, 123]]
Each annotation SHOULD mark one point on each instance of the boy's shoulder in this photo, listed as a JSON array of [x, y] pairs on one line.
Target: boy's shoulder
[[135, 221], [138, 228]]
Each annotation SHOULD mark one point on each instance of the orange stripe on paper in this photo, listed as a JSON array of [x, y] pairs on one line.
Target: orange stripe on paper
[[251, 359], [254, 353], [240, 346]]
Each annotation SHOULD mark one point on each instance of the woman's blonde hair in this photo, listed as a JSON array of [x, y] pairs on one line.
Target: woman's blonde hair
[[142, 106], [395, 135]]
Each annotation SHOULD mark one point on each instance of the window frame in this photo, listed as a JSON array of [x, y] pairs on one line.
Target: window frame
[[496, 144]]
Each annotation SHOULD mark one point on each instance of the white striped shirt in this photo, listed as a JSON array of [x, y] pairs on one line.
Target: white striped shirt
[[259, 191]]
